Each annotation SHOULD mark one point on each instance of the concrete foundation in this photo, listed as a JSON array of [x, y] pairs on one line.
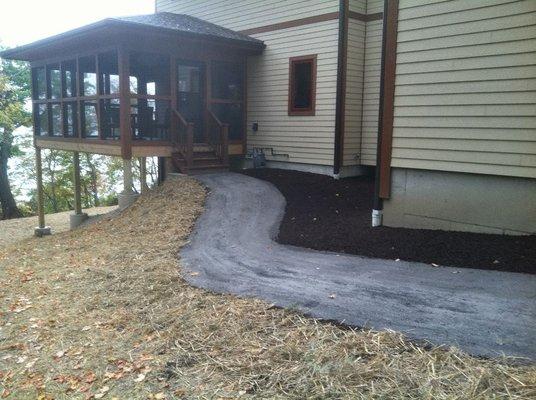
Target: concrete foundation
[[75, 220], [126, 199], [40, 232], [461, 202]]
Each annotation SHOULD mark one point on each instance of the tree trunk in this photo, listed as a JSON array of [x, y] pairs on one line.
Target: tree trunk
[[52, 173], [93, 175], [9, 207]]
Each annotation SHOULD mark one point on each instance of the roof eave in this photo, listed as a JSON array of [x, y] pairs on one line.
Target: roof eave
[[23, 53]]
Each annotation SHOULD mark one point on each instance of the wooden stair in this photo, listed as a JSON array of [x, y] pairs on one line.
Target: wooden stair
[[204, 159]]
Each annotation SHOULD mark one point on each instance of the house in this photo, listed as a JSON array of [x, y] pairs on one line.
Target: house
[[437, 97]]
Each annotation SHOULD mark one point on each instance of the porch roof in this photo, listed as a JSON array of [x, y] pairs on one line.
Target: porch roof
[[180, 25]]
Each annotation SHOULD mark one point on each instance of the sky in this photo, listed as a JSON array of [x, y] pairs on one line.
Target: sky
[[25, 21]]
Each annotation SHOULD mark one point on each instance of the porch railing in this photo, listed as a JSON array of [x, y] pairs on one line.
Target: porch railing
[[183, 137], [218, 136]]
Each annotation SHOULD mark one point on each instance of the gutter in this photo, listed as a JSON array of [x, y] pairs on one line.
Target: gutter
[[377, 208], [341, 87]]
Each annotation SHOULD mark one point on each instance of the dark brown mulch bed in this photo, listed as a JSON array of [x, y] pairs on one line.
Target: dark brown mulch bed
[[334, 215]]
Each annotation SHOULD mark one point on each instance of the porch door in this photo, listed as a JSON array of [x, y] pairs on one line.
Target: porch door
[[191, 95]]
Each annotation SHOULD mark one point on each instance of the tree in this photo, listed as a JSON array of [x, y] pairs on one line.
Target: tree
[[14, 92]]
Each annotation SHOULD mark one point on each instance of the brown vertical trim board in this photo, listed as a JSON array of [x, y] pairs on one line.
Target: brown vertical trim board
[[388, 98], [124, 103], [245, 106], [340, 105]]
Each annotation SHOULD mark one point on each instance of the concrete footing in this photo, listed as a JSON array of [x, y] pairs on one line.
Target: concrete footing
[[126, 199], [40, 232], [76, 220]]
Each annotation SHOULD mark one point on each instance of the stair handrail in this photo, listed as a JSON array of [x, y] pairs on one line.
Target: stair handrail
[[186, 145], [222, 146]]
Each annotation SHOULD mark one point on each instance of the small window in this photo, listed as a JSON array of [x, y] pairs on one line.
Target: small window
[[302, 85]]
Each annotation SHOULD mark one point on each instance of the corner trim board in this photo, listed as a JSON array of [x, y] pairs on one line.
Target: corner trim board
[[388, 98], [340, 105]]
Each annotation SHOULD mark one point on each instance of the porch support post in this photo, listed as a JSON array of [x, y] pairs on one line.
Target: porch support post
[[124, 104], [143, 175], [41, 230], [127, 197], [78, 217]]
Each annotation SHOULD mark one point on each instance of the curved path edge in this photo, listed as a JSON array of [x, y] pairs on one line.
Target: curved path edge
[[486, 313]]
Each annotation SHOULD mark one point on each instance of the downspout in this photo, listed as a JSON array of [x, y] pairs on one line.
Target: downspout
[[377, 210], [341, 87]]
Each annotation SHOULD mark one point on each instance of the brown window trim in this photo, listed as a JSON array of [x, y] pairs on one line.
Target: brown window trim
[[302, 111]]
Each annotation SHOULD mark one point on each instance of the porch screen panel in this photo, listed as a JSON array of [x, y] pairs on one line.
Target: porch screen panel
[[54, 79], [69, 78], [55, 119], [150, 88], [41, 119], [88, 76], [77, 97], [227, 96], [39, 83]]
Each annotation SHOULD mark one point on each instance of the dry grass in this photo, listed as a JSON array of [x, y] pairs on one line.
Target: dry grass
[[15, 230], [102, 312]]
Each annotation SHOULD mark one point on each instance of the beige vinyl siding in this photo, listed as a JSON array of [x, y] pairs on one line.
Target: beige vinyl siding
[[374, 6], [359, 6], [305, 139], [465, 97], [354, 92], [371, 91], [247, 14]]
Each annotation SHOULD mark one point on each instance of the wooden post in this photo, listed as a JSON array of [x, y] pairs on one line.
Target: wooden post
[[127, 176], [225, 144], [41, 230], [124, 104], [189, 144], [143, 175], [40, 197], [77, 193]]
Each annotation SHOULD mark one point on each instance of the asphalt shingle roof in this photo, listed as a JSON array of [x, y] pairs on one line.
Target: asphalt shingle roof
[[163, 21], [187, 24]]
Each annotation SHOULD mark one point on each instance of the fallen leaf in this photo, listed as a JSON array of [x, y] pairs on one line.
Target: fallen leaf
[[102, 392], [140, 378], [332, 296], [90, 377]]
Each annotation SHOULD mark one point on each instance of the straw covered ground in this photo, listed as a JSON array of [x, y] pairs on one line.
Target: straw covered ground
[[102, 312], [14, 230]]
